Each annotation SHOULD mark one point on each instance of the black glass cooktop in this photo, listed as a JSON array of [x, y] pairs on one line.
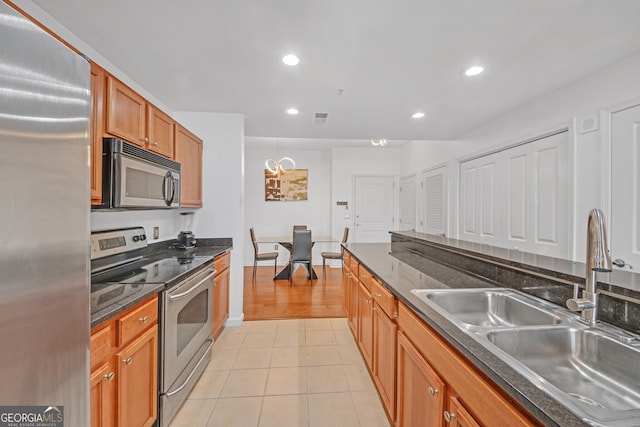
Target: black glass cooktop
[[112, 286]]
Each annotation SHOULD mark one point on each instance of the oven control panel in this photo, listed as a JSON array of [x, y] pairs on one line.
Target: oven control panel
[[113, 242]]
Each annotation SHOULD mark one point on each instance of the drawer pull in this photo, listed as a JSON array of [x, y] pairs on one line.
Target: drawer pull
[[433, 391], [128, 361], [449, 416], [109, 376], [144, 319], [378, 295], [154, 143]]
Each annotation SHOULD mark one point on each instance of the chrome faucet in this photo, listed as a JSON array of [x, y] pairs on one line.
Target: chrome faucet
[[598, 260]]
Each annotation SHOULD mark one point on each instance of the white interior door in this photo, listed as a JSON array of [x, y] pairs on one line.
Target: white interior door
[[408, 202], [625, 189], [374, 208]]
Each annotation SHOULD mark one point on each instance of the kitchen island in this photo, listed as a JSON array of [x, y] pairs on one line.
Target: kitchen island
[[400, 268]]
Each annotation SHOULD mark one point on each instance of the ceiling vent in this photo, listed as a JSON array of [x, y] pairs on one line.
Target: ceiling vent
[[320, 118]]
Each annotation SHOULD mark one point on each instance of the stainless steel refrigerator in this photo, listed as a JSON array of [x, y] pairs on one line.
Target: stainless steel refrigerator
[[44, 225]]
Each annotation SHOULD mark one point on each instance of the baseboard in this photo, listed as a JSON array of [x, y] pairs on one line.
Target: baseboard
[[234, 321]]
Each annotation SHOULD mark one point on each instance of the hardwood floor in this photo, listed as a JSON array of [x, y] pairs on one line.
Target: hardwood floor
[[269, 299]]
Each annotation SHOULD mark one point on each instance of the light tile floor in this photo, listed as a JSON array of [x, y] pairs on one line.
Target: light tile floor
[[294, 373]]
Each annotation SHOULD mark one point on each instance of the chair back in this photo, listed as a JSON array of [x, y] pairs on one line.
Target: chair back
[[345, 236], [253, 240], [301, 250]]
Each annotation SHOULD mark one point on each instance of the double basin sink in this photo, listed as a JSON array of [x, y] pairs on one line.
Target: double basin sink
[[594, 372]]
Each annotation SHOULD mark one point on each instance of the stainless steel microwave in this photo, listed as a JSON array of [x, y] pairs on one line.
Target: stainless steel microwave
[[134, 178]]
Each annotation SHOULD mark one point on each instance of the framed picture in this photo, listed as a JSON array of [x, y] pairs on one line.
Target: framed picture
[[286, 187]]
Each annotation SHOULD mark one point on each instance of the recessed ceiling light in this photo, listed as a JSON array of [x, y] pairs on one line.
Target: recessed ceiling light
[[417, 115], [473, 71], [292, 111], [290, 59]]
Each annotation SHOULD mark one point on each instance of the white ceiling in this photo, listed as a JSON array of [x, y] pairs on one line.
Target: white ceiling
[[392, 58]]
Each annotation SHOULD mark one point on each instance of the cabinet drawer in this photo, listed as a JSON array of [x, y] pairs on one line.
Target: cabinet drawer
[[140, 319], [101, 346], [347, 260], [353, 265], [221, 262], [364, 276], [384, 298]]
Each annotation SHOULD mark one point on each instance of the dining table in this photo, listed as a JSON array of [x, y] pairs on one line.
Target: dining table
[[287, 243]]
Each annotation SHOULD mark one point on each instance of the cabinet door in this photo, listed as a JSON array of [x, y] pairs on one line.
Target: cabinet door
[[458, 416], [137, 373], [220, 300], [102, 388], [365, 325], [189, 154], [160, 132], [420, 390], [345, 287], [384, 358], [353, 303], [126, 113], [96, 129]]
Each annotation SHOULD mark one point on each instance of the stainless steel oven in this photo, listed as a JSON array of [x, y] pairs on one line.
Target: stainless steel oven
[[134, 178], [185, 339]]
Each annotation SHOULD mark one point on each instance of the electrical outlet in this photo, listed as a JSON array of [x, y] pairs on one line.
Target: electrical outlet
[[156, 233], [275, 247]]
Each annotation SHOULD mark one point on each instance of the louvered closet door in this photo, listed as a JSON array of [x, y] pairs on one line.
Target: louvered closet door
[[434, 197]]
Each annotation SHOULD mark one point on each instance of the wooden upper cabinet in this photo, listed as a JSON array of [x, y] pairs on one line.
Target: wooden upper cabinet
[[126, 113], [96, 130], [159, 131], [188, 152]]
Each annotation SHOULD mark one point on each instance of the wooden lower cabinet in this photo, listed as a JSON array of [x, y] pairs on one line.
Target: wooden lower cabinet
[[365, 324], [102, 393], [458, 416], [346, 272], [474, 400], [220, 294], [384, 358], [421, 392], [137, 372], [124, 368], [354, 293]]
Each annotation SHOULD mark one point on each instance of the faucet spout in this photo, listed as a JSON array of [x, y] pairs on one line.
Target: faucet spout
[[598, 260]]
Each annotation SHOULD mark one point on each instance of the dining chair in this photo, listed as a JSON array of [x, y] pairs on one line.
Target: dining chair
[[333, 255], [265, 256], [301, 253]]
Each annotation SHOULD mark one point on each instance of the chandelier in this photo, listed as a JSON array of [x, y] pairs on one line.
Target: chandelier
[[277, 167], [379, 143]]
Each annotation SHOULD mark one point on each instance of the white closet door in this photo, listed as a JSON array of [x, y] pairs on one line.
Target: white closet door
[[435, 201], [408, 204], [518, 198], [625, 186]]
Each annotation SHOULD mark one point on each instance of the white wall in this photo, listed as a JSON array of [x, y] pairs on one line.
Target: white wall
[[277, 218], [222, 214], [421, 155], [349, 162]]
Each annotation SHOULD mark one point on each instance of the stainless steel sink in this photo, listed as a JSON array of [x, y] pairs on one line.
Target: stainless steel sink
[[587, 369], [490, 307], [593, 371]]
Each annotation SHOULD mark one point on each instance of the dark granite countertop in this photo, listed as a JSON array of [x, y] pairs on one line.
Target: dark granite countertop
[[400, 277], [210, 248]]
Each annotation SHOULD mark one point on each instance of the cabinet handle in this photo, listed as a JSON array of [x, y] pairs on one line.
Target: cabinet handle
[[449, 416], [109, 376], [368, 302], [377, 295], [433, 391], [154, 143], [373, 309], [128, 361], [144, 319], [145, 139]]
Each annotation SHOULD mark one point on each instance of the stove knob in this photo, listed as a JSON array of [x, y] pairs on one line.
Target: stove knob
[[143, 237], [136, 238]]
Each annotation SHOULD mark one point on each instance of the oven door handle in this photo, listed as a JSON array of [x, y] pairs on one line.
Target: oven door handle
[[193, 288], [184, 384]]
